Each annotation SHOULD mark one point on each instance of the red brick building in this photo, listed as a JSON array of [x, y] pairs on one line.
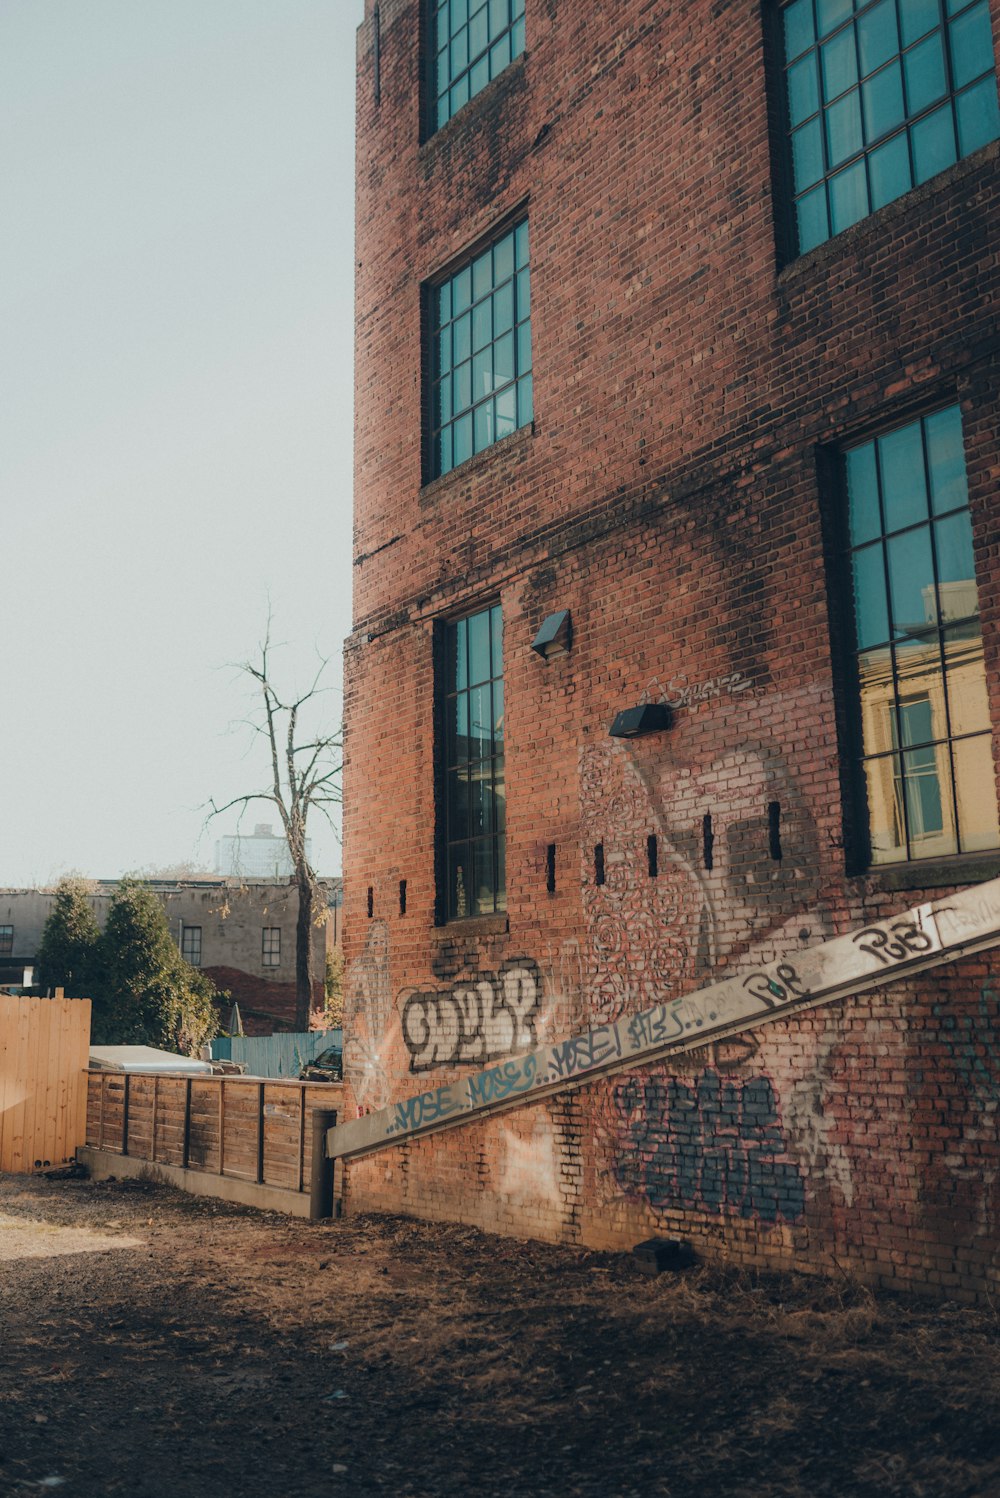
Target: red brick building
[[677, 360]]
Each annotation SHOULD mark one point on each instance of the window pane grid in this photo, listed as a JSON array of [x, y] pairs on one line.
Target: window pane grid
[[474, 40], [271, 946], [881, 95], [481, 352], [474, 765], [925, 725], [6, 941], [191, 945]]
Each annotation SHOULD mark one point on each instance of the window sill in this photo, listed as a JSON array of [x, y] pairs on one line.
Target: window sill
[[504, 447], [512, 75], [874, 224], [939, 873], [472, 925]]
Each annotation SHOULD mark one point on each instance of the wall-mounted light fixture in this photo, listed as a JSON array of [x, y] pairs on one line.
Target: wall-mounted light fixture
[[652, 717], [555, 636]]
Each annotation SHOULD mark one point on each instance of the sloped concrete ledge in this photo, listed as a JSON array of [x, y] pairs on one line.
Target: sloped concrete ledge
[[103, 1164]]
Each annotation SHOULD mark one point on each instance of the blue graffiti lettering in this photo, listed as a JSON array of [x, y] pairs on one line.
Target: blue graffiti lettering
[[714, 1146]]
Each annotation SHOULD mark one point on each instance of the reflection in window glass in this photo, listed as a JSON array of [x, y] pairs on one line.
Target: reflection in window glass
[[475, 800], [881, 95], [925, 728]]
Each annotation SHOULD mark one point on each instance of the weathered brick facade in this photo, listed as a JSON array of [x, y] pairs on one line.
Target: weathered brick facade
[[674, 494]]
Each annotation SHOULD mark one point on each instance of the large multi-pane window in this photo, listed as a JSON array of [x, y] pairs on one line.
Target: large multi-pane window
[[474, 40], [926, 744], [882, 95], [481, 352], [6, 940], [474, 800], [270, 946]]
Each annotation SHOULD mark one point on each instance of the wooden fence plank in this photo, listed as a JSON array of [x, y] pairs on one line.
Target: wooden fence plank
[[44, 1045], [254, 1129]]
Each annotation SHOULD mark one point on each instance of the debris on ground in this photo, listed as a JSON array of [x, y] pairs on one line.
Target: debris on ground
[[155, 1343]]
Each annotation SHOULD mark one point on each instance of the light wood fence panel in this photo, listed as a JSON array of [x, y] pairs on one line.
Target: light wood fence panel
[[44, 1050]]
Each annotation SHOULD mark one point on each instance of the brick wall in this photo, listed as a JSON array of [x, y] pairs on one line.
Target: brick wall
[[687, 391]]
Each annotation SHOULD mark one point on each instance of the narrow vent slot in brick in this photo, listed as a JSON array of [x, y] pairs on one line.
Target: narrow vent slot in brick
[[377, 58], [652, 855], [371, 902], [550, 868], [402, 897], [707, 841], [774, 830], [599, 864]]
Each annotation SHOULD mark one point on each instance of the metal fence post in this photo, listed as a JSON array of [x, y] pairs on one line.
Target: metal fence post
[[126, 1103], [321, 1187]]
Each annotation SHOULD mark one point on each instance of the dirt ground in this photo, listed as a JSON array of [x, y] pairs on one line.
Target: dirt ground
[[153, 1344]]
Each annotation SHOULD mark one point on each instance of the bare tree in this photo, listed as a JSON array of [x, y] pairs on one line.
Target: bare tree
[[303, 776]]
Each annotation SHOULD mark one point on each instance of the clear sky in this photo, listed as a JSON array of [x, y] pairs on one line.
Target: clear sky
[[176, 308]]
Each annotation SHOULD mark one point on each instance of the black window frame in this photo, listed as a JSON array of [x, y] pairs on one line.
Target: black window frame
[[514, 31], [6, 941], [270, 950], [847, 649], [187, 934], [901, 129], [437, 370], [450, 838]]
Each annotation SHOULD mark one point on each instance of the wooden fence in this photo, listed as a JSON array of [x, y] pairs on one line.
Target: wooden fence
[[239, 1127], [44, 1045]]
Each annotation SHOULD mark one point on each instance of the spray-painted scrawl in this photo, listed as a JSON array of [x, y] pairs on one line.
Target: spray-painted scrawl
[[479, 1019], [713, 1145], [367, 1008], [719, 893]]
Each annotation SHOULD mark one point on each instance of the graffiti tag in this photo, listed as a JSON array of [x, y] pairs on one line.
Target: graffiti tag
[[476, 1020], [507, 1080], [713, 1146], [681, 693], [782, 989], [583, 1052], [878, 942], [427, 1108]]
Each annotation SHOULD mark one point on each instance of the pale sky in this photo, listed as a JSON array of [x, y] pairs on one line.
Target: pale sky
[[176, 311]]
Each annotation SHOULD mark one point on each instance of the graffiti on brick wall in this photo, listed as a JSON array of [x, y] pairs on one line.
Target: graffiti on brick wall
[[719, 894], [638, 929], [501, 1083], [960, 1186], [476, 1020], [811, 1108], [972, 1039], [714, 1145], [561, 1012], [367, 1011], [681, 693]]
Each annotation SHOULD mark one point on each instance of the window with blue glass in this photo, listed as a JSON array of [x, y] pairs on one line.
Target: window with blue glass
[[926, 760], [474, 40], [475, 798], [881, 95], [481, 352]]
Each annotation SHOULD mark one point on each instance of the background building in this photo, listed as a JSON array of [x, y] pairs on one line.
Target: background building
[[677, 348], [261, 854], [241, 933]]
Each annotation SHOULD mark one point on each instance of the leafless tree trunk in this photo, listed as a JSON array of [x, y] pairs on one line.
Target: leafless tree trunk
[[303, 776]]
